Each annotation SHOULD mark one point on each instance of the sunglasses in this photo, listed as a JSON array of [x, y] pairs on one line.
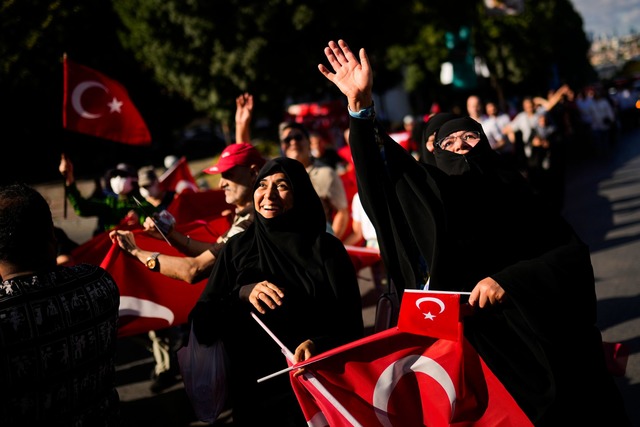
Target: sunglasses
[[298, 137]]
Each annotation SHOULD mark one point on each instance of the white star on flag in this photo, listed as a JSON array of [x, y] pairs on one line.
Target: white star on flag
[[115, 105]]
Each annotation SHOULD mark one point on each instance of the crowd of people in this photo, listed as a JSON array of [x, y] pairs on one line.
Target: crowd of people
[[413, 194]]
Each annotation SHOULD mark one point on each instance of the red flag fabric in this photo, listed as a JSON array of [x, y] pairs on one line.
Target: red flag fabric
[[201, 205], [397, 379], [431, 313], [350, 184], [188, 209], [362, 257], [149, 300], [97, 105], [178, 178]]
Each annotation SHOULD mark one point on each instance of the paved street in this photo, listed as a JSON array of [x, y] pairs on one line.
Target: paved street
[[602, 202]]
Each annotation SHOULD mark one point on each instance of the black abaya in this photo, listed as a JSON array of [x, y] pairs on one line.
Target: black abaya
[[472, 217], [321, 302]]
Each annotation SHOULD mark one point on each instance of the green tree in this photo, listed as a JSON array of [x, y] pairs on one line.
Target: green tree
[[179, 58], [531, 52], [209, 52]]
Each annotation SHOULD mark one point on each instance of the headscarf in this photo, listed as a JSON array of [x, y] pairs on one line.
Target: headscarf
[[432, 125], [472, 217], [481, 160], [293, 251], [321, 299], [300, 225]]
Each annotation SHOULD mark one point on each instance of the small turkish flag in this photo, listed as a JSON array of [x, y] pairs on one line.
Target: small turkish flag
[[178, 178], [431, 313], [97, 105]]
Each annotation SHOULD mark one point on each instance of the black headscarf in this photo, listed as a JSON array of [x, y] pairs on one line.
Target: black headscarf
[[293, 251], [321, 302], [432, 126], [474, 216], [288, 241]]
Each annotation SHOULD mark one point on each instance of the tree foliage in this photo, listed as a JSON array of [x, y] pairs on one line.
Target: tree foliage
[[179, 58]]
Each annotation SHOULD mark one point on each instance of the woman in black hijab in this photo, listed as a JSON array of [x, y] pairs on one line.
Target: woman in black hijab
[[301, 281], [431, 126], [471, 223]]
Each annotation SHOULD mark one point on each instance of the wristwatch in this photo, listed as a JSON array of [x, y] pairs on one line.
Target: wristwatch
[[152, 262]]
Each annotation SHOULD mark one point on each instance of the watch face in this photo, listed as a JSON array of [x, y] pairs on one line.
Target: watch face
[[151, 263]]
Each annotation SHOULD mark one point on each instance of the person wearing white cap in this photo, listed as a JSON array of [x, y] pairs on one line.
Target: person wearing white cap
[[152, 189]]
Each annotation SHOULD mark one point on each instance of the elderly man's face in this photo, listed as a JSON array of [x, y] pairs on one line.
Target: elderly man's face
[[237, 183]]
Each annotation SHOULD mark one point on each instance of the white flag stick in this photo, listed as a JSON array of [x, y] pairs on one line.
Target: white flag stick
[[283, 348], [308, 375], [275, 374]]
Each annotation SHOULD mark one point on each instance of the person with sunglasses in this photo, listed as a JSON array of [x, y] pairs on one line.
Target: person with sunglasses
[[471, 223], [295, 144]]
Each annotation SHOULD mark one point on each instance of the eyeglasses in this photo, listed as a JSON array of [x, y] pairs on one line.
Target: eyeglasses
[[298, 137], [446, 143]]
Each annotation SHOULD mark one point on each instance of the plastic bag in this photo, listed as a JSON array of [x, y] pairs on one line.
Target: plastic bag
[[204, 374]]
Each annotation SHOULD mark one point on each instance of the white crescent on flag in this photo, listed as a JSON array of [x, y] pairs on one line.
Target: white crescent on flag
[[185, 185], [436, 300], [76, 98], [132, 306], [394, 373], [428, 315]]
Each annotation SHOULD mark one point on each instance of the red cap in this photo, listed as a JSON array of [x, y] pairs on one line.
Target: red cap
[[240, 154]]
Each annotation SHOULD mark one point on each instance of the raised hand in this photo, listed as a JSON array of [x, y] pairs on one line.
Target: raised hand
[[244, 107], [66, 169], [244, 111], [351, 75]]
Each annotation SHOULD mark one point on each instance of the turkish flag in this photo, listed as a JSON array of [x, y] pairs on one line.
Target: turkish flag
[[397, 379], [97, 105], [149, 300], [202, 205], [178, 178], [431, 313]]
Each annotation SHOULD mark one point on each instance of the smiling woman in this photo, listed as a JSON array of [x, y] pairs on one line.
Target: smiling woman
[[273, 195], [300, 281]]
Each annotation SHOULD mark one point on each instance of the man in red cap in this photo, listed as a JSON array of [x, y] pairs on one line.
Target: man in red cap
[[238, 165]]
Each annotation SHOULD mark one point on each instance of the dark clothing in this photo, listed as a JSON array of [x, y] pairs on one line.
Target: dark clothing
[[65, 244], [430, 127], [472, 217], [322, 300], [166, 201], [110, 209], [57, 349]]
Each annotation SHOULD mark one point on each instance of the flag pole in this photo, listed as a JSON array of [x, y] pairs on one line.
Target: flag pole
[[64, 209], [64, 125]]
